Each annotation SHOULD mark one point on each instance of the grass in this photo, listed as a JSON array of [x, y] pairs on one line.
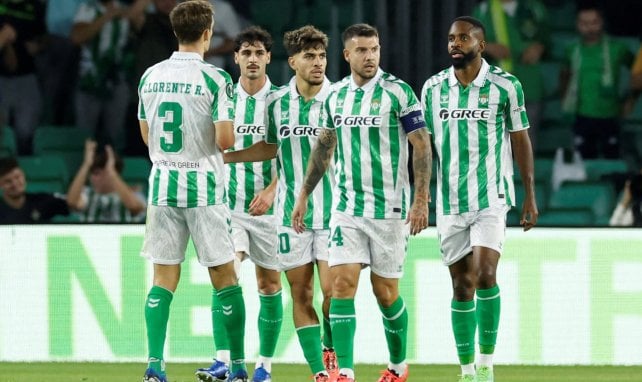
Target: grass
[[184, 372]]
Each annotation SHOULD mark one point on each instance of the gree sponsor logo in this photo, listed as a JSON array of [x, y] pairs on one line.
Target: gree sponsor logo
[[299, 131], [469, 114], [356, 120], [250, 130]]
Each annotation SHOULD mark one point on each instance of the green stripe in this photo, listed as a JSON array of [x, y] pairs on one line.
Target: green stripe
[[211, 188], [445, 154], [464, 164], [482, 137], [213, 88], [374, 139], [499, 131], [288, 160], [233, 186], [156, 187], [343, 194], [192, 189], [250, 109], [306, 149], [356, 156], [172, 188]]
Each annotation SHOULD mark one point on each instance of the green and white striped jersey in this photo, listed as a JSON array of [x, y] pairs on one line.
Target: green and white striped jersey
[[107, 208], [294, 125], [470, 129], [245, 180], [372, 145], [181, 98]]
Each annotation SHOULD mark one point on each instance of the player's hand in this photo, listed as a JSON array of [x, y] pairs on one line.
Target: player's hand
[[417, 217], [110, 165], [298, 213], [261, 202], [90, 152], [529, 213]]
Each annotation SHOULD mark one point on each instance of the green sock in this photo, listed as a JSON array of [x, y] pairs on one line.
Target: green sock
[[327, 333], [344, 323], [310, 340], [395, 324], [464, 324], [488, 308], [270, 319], [156, 317], [233, 308], [221, 340]]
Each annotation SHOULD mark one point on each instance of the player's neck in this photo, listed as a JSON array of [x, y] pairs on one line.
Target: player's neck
[[468, 73], [192, 48], [307, 90], [253, 86]]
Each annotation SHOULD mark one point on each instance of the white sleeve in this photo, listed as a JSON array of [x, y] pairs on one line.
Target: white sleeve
[[85, 14], [622, 216]]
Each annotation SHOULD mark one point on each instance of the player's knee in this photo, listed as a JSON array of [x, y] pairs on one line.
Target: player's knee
[[486, 277], [301, 293], [463, 288], [343, 287]]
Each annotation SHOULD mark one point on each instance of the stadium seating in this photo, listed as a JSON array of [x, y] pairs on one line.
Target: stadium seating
[[7, 142], [65, 142], [136, 172], [551, 138], [597, 196], [566, 217], [596, 169], [46, 173]]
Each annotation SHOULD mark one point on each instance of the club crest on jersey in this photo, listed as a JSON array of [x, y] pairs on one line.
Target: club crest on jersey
[[250, 130], [483, 99], [299, 131], [465, 114], [375, 105]]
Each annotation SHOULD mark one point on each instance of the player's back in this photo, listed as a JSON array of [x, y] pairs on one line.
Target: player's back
[[181, 98]]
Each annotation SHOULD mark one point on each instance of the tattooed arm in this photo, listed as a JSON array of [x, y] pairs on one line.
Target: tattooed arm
[[319, 161], [422, 165]]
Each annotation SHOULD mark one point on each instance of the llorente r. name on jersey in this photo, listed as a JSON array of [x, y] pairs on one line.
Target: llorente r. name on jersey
[[181, 98], [249, 178], [294, 125], [470, 128], [372, 124]]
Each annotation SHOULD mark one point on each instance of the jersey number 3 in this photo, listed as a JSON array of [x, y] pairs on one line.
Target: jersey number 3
[[171, 125]]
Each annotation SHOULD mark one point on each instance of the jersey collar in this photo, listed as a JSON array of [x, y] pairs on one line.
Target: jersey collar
[[186, 56], [321, 95], [369, 85], [478, 81], [258, 95]]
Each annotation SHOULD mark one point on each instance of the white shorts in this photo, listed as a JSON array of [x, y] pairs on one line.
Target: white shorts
[[297, 249], [168, 230], [458, 234], [256, 236], [379, 243]]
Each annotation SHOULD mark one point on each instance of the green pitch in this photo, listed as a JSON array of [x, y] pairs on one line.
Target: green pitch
[[183, 372]]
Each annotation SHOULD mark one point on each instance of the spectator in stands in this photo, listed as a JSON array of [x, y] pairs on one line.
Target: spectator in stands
[[108, 199], [102, 29], [590, 85], [20, 207], [57, 64], [517, 35], [636, 74], [226, 27], [21, 101], [628, 211], [154, 42]]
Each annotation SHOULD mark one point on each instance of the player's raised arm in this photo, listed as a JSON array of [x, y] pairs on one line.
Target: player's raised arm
[[258, 152]]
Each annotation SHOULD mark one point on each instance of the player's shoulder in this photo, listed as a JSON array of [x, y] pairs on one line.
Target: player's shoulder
[[277, 93], [436, 79], [502, 78], [213, 71]]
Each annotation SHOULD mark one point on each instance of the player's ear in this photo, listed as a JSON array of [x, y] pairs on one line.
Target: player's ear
[[291, 62], [482, 46], [269, 57], [346, 55]]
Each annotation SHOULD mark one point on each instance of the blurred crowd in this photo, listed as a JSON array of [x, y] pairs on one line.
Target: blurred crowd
[[78, 63]]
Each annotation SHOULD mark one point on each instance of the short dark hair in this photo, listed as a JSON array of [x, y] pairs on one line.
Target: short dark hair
[[306, 37], [474, 22], [100, 161], [252, 35], [7, 165], [190, 19], [359, 30]]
